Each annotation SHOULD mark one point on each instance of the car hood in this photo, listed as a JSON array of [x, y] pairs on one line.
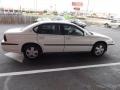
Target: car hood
[[100, 35], [14, 30]]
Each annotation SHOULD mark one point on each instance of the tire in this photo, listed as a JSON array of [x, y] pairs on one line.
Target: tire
[[118, 26], [107, 25], [83, 26], [32, 51], [99, 49]]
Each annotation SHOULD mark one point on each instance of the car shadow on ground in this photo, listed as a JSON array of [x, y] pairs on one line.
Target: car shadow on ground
[[52, 61], [67, 60]]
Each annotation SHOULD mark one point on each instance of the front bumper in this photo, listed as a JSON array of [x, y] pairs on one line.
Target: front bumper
[[110, 42]]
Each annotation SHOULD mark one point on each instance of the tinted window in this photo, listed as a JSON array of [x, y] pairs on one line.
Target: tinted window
[[114, 21], [49, 29], [72, 30]]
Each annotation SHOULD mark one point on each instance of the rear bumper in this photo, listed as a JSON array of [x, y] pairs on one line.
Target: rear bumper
[[111, 44], [10, 47], [3, 43]]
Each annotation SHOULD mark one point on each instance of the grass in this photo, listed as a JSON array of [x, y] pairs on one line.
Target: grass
[[68, 17]]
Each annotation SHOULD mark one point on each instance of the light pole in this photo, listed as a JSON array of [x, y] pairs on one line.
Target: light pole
[[88, 2], [36, 5]]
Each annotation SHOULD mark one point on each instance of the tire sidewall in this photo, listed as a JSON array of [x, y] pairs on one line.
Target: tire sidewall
[[98, 44], [36, 47]]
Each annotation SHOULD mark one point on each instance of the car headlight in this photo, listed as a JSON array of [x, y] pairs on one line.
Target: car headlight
[[111, 42]]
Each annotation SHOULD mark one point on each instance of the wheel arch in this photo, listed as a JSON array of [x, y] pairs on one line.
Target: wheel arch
[[29, 43], [100, 42]]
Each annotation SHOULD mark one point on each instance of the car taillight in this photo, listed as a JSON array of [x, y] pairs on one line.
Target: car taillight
[[5, 39]]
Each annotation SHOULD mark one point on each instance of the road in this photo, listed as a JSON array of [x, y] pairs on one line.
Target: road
[[68, 71]]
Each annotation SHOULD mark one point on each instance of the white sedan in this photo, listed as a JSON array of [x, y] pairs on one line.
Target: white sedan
[[54, 36], [112, 24]]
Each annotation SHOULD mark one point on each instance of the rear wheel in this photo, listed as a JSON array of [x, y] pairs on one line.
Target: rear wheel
[[99, 49], [118, 26], [107, 25], [32, 51]]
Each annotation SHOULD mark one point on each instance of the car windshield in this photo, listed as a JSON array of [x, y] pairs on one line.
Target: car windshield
[[58, 44], [86, 31]]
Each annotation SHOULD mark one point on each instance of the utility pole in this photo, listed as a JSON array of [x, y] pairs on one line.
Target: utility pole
[[88, 2], [36, 5]]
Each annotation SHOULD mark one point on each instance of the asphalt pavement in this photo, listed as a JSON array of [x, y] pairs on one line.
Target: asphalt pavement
[[104, 77]]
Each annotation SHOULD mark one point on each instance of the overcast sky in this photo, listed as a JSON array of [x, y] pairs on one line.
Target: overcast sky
[[112, 6]]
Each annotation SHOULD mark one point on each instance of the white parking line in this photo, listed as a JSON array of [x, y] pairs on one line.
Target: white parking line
[[56, 69]]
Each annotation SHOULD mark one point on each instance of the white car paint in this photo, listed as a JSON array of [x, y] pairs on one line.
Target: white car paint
[[113, 23], [17, 37]]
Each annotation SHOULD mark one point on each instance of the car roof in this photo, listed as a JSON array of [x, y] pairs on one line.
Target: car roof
[[59, 22], [45, 22]]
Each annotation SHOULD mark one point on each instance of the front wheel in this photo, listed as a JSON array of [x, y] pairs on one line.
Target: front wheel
[[99, 49], [32, 52]]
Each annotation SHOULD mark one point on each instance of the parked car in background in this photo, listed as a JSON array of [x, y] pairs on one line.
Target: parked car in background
[[58, 18], [54, 36], [79, 23], [112, 24], [55, 18], [41, 19]]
